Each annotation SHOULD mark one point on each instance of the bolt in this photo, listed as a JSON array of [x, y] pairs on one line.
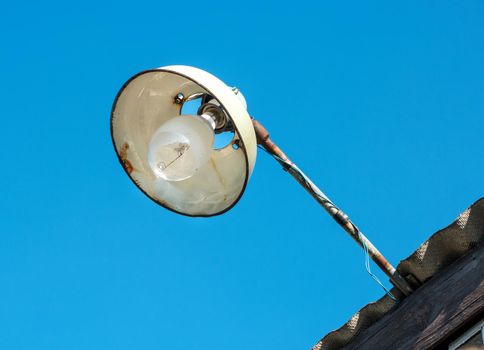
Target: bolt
[[179, 98]]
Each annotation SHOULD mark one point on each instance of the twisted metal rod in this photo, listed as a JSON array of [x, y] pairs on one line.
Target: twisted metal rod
[[337, 214]]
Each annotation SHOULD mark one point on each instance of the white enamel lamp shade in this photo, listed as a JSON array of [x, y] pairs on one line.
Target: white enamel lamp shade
[[144, 103]]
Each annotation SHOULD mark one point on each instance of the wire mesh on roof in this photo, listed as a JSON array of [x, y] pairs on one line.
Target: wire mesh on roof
[[439, 251]]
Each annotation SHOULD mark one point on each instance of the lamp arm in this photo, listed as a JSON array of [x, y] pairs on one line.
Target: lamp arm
[[264, 140]]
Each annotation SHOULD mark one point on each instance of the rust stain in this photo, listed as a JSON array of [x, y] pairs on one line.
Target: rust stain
[[161, 201], [128, 166], [123, 155]]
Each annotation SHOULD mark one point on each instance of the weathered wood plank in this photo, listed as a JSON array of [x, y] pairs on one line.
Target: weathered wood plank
[[433, 313]]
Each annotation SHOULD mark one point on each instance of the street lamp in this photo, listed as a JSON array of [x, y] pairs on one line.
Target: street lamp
[[170, 157]]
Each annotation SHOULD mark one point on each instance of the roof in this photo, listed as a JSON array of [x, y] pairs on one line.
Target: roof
[[439, 251]]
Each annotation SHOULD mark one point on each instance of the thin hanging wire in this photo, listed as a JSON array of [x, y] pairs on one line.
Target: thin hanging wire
[[368, 268], [288, 165]]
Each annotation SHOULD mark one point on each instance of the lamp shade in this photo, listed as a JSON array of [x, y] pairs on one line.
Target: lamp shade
[[148, 101]]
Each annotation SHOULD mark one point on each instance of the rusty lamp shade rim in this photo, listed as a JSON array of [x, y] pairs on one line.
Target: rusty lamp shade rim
[[161, 203]]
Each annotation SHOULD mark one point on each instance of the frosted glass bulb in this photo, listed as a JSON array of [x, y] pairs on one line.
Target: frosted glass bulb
[[181, 146]]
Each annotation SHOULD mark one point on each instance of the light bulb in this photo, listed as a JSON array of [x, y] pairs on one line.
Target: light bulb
[[181, 146]]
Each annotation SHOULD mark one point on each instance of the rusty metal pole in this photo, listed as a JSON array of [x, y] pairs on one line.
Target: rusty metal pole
[[337, 214]]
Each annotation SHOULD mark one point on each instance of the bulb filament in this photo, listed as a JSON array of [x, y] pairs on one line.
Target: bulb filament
[[181, 149]]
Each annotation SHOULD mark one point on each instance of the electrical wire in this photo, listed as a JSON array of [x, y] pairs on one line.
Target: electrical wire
[[328, 203], [368, 268]]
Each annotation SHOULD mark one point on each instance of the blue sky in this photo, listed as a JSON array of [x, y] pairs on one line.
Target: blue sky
[[380, 104]]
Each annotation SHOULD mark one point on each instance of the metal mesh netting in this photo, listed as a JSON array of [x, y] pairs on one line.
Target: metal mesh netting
[[439, 251]]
